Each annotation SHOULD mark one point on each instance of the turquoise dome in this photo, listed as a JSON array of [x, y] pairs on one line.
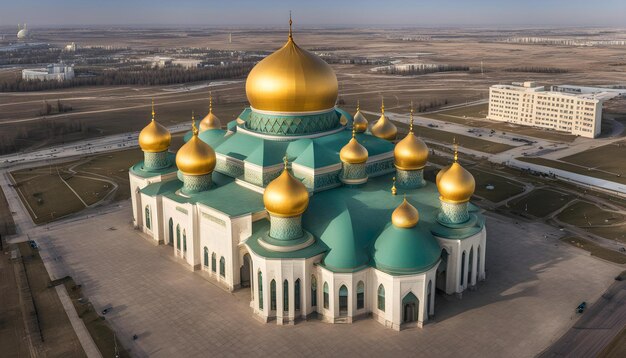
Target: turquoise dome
[[405, 251], [212, 137], [345, 254]]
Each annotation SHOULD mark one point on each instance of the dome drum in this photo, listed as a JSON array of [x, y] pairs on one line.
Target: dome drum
[[453, 213], [410, 179], [293, 125], [155, 160], [353, 174]]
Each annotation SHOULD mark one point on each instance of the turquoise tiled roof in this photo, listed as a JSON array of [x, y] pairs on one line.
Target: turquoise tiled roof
[[405, 251], [140, 171]]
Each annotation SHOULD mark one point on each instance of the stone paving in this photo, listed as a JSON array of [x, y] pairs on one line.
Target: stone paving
[[533, 285]]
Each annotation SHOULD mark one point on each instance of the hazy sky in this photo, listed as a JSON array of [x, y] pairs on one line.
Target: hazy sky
[[316, 12]]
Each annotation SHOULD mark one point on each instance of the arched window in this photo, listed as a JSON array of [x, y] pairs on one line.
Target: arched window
[[171, 242], [296, 291], [360, 295], [260, 281], [184, 241], [178, 236], [222, 267], [285, 296], [273, 295], [326, 295], [206, 257], [381, 297], [148, 217], [313, 291], [462, 269], [470, 263], [213, 262], [343, 300], [430, 287], [478, 264]]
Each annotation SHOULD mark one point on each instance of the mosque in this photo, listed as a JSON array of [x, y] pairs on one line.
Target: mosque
[[317, 212]]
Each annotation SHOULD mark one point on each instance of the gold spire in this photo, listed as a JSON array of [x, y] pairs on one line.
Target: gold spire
[[384, 128], [411, 119], [359, 122], [353, 152], [411, 153], [456, 149], [210, 121], [194, 130], [210, 102], [290, 22], [195, 157], [285, 161], [382, 105], [394, 191], [358, 105], [353, 132], [152, 108], [455, 183]]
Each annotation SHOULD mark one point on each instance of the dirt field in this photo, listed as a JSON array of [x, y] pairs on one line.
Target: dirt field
[[540, 202], [7, 225], [46, 190], [596, 250], [575, 168], [503, 187], [608, 158]]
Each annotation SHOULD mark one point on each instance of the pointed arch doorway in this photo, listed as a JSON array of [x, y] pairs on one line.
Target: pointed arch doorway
[[410, 308]]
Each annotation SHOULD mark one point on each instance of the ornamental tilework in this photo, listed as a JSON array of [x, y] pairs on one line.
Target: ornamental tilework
[[155, 160], [292, 125], [193, 184], [229, 168], [453, 213], [410, 179], [286, 228], [354, 171], [327, 180], [380, 167]]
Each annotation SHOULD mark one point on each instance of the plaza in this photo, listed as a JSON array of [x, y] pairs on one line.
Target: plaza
[[526, 303]]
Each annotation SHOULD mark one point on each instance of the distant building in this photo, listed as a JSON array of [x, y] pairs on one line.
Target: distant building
[[573, 109], [186, 63], [22, 32], [52, 72], [70, 47]]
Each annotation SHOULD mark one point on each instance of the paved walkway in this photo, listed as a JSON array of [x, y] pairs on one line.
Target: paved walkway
[[526, 304]]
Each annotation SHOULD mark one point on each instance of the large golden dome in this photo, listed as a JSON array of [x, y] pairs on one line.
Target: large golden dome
[[353, 152], [154, 137], [211, 121], [195, 157], [384, 128], [359, 122], [405, 215], [411, 153], [292, 80], [455, 183], [286, 196]]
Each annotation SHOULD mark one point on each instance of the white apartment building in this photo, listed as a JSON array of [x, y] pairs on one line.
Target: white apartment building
[[577, 112], [53, 72]]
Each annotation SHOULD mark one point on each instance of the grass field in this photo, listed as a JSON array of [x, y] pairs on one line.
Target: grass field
[[475, 116], [575, 168], [540, 202], [608, 158], [464, 141], [596, 250], [582, 213], [504, 188], [55, 191]]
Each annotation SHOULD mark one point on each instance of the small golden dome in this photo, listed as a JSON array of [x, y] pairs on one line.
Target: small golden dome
[[211, 121], [195, 157], [154, 137], [455, 183], [353, 152], [292, 80], [411, 153], [384, 128], [286, 196], [359, 121], [405, 215]]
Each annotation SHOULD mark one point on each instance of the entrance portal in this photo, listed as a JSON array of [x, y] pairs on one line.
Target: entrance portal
[[246, 271], [410, 305]]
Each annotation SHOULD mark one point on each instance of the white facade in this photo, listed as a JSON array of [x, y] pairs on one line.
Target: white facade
[[528, 104], [53, 72]]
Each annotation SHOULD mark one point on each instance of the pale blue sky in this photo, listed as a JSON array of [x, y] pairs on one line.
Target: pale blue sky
[[503, 13]]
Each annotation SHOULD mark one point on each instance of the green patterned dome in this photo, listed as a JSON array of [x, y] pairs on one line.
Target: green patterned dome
[[405, 251], [293, 124], [345, 254]]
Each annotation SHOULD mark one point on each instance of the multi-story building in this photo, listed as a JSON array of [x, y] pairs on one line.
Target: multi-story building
[[562, 109], [53, 72]]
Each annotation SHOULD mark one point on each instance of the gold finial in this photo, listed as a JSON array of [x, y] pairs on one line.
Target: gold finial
[[353, 131], [382, 105], [411, 120], [290, 22], [358, 105], [210, 102], [194, 130], [153, 109], [285, 161], [456, 149], [394, 191]]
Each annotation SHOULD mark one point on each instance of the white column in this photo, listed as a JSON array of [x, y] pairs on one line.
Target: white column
[[474, 277], [292, 300]]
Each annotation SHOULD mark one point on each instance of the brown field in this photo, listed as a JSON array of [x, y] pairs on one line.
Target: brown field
[[7, 225], [596, 250], [575, 169], [48, 197], [540, 202], [609, 158]]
